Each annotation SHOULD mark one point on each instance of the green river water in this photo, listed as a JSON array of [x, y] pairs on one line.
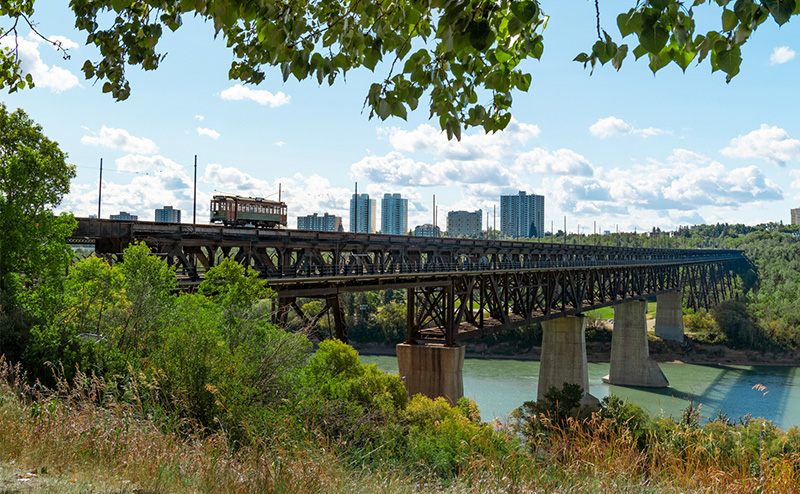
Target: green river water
[[499, 386]]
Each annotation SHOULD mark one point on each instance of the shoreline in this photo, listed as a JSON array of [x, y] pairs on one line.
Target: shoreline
[[661, 351]]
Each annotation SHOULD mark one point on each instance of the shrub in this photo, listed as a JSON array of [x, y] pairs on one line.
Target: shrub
[[444, 439]]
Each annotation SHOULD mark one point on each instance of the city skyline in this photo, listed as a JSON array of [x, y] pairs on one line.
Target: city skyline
[[614, 148]]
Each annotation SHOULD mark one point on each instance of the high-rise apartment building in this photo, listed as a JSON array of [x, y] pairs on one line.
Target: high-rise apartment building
[[168, 215], [796, 216], [465, 224], [522, 215], [427, 230], [124, 215], [394, 215], [362, 214], [325, 223]]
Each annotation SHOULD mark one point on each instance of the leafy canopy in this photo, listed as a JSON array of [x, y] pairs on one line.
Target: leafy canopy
[[34, 176], [462, 56]]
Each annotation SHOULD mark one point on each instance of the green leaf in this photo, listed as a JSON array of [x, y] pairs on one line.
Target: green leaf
[[728, 61], [604, 51], [619, 56], [702, 48], [744, 10], [524, 11], [481, 36], [781, 10], [660, 60], [659, 4], [729, 20], [514, 26], [384, 109], [524, 82], [630, 22], [654, 36]]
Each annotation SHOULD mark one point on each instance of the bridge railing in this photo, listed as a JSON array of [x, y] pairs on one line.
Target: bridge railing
[[367, 269]]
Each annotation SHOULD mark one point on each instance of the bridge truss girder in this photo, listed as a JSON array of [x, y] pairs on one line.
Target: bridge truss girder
[[474, 304]]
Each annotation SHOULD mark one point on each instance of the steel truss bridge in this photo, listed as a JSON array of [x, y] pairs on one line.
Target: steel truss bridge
[[456, 288]]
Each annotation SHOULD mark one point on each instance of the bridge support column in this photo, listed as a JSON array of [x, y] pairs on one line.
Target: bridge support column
[[432, 369], [631, 364], [335, 306], [669, 316], [564, 356]]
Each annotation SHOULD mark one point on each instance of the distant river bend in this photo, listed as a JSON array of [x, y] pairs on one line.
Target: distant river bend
[[500, 386]]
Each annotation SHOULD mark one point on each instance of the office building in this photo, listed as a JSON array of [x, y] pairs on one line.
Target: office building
[[325, 223], [427, 230], [796, 216], [522, 215], [362, 211], [125, 216], [168, 215], [465, 224], [394, 215]]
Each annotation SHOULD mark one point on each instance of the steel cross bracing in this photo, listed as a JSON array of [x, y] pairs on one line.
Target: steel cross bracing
[[456, 287]]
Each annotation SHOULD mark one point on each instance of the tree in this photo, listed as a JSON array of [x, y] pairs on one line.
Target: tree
[[34, 176], [465, 56]]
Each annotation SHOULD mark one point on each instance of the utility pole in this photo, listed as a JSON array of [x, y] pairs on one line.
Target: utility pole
[[100, 189], [194, 206]]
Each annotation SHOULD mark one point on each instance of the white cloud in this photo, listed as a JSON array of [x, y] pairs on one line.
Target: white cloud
[[199, 117], [613, 126], [120, 139], [394, 168], [796, 175], [609, 126], [562, 161], [771, 144], [690, 184], [57, 79], [427, 139], [158, 181], [262, 97], [208, 133], [781, 54], [278, 143], [136, 163]]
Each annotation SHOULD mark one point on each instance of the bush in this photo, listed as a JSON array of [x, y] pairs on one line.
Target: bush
[[555, 408], [444, 439]]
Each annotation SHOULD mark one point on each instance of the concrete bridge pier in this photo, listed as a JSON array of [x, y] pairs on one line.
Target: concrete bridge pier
[[564, 356], [631, 364], [432, 369], [669, 316]]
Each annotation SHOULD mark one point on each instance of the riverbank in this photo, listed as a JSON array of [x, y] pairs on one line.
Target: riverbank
[[689, 352]]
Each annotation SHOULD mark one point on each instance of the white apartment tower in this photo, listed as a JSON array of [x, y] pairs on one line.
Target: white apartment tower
[[522, 215], [362, 214], [465, 224], [394, 215]]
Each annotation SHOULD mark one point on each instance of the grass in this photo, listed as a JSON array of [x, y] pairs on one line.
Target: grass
[[78, 439], [608, 312]]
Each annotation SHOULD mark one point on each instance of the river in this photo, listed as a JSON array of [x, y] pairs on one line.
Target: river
[[500, 386]]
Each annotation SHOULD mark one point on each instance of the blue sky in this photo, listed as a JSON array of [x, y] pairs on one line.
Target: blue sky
[[616, 148]]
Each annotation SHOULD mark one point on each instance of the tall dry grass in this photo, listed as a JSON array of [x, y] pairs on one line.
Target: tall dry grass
[[80, 433]]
